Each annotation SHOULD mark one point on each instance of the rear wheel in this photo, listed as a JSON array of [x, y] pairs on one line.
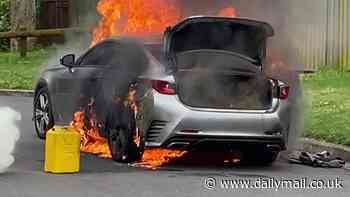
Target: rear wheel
[[121, 136], [42, 113]]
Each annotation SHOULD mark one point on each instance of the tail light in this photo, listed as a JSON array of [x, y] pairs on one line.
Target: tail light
[[164, 87], [283, 92], [281, 89]]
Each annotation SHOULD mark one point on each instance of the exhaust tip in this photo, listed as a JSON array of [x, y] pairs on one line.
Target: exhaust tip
[[178, 145]]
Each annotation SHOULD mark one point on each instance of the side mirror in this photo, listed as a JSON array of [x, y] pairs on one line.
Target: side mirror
[[68, 60]]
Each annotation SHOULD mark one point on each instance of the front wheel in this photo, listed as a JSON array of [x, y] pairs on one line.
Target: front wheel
[[42, 113]]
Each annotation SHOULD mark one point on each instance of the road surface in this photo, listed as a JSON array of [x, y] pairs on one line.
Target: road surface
[[99, 177]]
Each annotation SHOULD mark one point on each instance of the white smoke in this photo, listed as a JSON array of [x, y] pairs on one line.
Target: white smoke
[[9, 135]]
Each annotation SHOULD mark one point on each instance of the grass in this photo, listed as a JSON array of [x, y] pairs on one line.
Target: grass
[[327, 114], [21, 73]]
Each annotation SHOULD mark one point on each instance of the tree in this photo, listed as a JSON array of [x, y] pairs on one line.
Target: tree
[[22, 18], [4, 22]]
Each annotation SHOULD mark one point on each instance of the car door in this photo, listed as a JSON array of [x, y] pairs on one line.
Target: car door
[[76, 86]]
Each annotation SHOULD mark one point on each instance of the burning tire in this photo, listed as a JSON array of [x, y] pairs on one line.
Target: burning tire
[[120, 126], [42, 113]]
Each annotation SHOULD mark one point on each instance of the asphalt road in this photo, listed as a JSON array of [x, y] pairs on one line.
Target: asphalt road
[[99, 177]]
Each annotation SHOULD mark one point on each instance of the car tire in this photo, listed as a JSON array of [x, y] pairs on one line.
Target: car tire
[[42, 113], [120, 136]]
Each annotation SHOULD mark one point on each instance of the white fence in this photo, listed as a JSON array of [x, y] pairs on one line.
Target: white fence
[[325, 39]]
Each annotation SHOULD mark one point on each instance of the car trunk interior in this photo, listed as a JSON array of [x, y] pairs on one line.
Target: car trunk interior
[[212, 79]]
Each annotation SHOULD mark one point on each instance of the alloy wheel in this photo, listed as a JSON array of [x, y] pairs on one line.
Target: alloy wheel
[[42, 114]]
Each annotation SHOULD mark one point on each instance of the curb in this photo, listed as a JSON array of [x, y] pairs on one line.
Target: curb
[[312, 145], [24, 93]]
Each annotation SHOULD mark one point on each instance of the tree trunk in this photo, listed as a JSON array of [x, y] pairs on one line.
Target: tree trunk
[[22, 18]]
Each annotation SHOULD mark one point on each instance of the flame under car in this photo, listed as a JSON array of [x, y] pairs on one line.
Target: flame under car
[[210, 92]]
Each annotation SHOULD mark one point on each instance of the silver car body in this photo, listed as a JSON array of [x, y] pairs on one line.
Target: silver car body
[[175, 125]]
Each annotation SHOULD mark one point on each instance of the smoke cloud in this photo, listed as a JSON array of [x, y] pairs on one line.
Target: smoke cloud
[[10, 134]]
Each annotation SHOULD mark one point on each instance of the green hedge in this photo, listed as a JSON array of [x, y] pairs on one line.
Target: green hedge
[[4, 23]]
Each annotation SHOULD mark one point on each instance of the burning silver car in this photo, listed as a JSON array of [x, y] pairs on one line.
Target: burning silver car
[[212, 94]]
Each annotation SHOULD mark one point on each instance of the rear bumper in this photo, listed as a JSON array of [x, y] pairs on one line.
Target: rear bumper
[[171, 120], [188, 142]]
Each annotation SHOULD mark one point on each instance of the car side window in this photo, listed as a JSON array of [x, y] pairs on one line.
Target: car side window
[[100, 55]]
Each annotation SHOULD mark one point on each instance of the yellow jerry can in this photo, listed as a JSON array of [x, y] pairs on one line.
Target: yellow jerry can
[[62, 150]]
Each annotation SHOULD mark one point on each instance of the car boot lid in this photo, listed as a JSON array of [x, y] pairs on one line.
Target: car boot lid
[[244, 37]]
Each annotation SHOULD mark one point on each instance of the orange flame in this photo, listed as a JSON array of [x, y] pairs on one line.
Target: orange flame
[[228, 12], [91, 140], [140, 18], [134, 18], [133, 104], [155, 158]]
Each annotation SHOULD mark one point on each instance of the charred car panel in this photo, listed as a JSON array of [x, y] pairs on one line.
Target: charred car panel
[[101, 94]]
